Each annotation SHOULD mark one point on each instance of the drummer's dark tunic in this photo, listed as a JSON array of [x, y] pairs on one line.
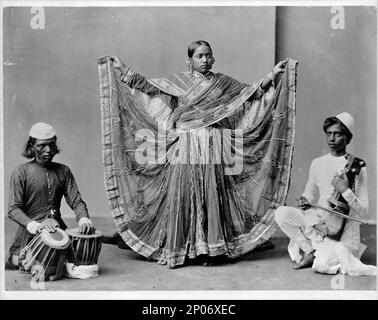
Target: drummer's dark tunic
[[34, 191]]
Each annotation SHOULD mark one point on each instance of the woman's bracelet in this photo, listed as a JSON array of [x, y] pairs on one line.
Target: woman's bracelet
[[124, 72], [126, 75], [270, 76]]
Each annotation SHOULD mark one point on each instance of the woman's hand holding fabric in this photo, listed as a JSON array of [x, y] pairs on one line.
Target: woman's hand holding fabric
[[279, 68], [118, 64], [269, 79]]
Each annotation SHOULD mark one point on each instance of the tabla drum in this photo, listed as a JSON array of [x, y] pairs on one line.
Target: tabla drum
[[84, 248], [45, 255]]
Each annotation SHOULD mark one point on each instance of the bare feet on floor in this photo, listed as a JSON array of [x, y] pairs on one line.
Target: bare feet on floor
[[306, 262]]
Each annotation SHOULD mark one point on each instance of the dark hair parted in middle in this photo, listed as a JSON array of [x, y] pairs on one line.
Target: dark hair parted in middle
[[333, 120], [194, 45]]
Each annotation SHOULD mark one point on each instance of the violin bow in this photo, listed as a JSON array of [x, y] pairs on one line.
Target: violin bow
[[336, 213]]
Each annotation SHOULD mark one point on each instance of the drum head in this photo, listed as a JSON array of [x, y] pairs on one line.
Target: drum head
[[75, 232], [56, 240]]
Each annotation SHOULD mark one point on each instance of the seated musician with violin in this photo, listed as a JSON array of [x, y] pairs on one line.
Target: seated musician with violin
[[326, 235]]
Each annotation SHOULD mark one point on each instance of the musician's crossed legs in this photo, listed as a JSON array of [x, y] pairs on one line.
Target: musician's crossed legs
[[292, 222]]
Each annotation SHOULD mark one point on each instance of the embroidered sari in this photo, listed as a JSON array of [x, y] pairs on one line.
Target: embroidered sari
[[195, 166]]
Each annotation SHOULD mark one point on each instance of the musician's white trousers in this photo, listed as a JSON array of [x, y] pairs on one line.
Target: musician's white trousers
[[293, 223], [330, 256]]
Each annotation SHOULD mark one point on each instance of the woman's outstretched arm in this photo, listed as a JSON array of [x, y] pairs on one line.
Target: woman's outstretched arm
[[269, 78], [133, 79]]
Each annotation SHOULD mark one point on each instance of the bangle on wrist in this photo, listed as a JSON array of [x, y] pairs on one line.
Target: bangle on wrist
[[126, 75], [124, 71], [270, 76]]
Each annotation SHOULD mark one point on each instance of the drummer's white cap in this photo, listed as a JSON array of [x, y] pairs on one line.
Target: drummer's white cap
[[347, 120], [42, 130]]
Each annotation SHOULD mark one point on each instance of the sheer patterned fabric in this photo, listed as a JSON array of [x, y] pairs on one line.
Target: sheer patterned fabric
[[195, 166]]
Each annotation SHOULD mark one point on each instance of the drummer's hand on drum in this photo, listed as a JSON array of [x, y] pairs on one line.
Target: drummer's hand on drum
[[87, 228], [39, 228], [48, 224]]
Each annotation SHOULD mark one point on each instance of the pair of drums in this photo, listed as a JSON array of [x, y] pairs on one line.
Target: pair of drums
[[46, 254]]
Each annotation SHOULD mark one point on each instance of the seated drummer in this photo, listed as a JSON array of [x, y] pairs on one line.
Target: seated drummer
[[36, 190], [306, 227]]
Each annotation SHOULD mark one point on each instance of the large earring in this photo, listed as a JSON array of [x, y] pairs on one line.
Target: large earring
[[189, 64]]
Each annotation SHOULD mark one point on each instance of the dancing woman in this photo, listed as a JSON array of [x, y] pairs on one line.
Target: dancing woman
[[196, 163]]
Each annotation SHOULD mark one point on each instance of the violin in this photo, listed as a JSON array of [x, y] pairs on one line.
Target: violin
[[335, 224]]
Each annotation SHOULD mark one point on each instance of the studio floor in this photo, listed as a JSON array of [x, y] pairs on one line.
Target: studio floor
[[124, 270]]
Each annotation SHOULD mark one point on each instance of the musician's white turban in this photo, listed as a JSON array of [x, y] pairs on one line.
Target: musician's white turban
[[348, 121], [42, 130]]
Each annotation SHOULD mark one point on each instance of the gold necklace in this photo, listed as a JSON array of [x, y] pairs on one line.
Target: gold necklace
[[196, 76]]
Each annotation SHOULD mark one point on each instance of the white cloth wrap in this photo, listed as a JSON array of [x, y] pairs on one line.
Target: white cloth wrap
[[82, 271]]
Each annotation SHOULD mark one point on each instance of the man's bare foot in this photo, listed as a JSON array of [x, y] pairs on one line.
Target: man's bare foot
[[306, 262]]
